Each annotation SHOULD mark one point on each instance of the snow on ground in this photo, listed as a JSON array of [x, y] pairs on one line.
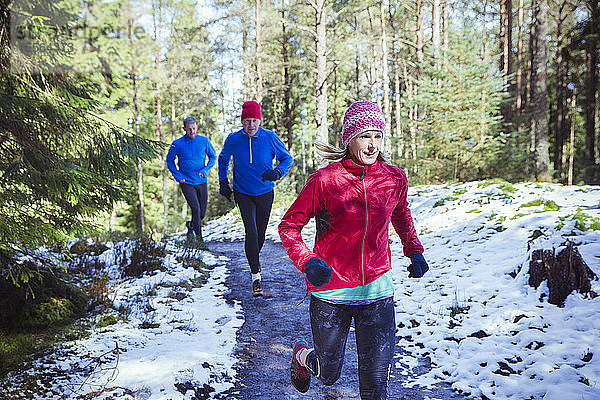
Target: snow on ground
[[486, 332], [178, 338]]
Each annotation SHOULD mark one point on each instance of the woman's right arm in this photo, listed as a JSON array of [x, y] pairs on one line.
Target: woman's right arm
[[298, 215]]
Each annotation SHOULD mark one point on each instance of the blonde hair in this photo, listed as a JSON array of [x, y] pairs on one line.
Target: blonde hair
[[332, 153]]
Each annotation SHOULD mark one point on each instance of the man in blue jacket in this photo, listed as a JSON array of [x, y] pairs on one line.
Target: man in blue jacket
[[253, 150], [191, 172]]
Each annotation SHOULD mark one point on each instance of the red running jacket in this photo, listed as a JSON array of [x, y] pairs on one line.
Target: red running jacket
[[361, 201]]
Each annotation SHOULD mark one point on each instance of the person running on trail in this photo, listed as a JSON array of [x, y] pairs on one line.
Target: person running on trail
[[348, 272], [191, 172], [253, 149]]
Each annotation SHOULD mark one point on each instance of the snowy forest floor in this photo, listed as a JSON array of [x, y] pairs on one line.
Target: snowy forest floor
[[273, 322]]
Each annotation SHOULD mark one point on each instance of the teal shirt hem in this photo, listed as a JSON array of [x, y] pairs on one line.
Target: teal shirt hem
[[380, 288]]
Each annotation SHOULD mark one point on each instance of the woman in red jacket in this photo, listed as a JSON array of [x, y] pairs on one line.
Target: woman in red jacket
[[348, 272]]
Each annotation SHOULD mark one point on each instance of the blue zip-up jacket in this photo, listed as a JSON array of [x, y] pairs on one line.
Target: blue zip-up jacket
[[191, 159], [252, 156]]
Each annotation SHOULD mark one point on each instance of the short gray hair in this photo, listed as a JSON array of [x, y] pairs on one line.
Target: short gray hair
[[189, 121]]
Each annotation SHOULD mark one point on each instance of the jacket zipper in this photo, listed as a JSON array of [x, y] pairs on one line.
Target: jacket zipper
[[362, 255], [250, 145]]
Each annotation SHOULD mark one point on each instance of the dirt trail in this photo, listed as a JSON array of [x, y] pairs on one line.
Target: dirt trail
[[275, 320]]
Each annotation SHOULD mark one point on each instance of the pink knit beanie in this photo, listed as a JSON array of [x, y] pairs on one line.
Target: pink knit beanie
[[251, 109], [361, 116]]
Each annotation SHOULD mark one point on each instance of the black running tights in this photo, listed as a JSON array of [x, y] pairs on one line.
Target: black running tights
[[197, 198], [375, 340], [255, 211]]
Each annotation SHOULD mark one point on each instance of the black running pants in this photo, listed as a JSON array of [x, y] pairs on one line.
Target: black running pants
[[197, 198], [255, 211], [374, 326]]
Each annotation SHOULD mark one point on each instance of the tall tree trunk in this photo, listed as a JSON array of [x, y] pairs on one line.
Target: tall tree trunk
[[435, 32], [5, 30], [173, 113], [398, 134], [591, 62], [385, 74], [159, 133], [540, 95], [245, 60], [259, 77], [136, 124], [374, 83], [445, 23], [572, 136], [484, 39], [505, 39], [321, 69], [519, 73], [287, 90], [336, 119], [530, 81], [420, 49], [559, 119]]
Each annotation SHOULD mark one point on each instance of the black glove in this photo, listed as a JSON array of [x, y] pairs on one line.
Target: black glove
[[418, 265], [271, 175], [224, 189], [317, 272]]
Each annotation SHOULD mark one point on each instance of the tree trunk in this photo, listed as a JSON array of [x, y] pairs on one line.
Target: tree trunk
[[397, 93], [245, 60], [136, 124], [287, 90], [259, 77], [519, 73], [530, 86], [445, 41], [385, 75], [540, 95], [572, 136], [420, 50], [173, 113], [159, 133], [591, 87], [559, 119], [374, 82], [435, 32], [505, 39], [321, 69], [336, 120], [5, 30]]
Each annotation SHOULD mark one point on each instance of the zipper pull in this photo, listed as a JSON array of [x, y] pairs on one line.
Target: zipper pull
[[362, 177]]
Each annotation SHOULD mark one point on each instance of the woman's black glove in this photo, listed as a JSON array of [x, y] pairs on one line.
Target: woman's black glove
[[418, 265], [271, 175], [224, 189], [317, 272]]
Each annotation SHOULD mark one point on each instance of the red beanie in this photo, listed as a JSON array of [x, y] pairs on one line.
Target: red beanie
[[251, 109]]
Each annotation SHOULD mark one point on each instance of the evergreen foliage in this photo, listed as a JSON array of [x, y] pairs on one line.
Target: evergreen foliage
[[460, 132], [60, 163]]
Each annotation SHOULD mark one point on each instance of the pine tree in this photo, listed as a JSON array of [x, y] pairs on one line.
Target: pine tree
[[60, 164]]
